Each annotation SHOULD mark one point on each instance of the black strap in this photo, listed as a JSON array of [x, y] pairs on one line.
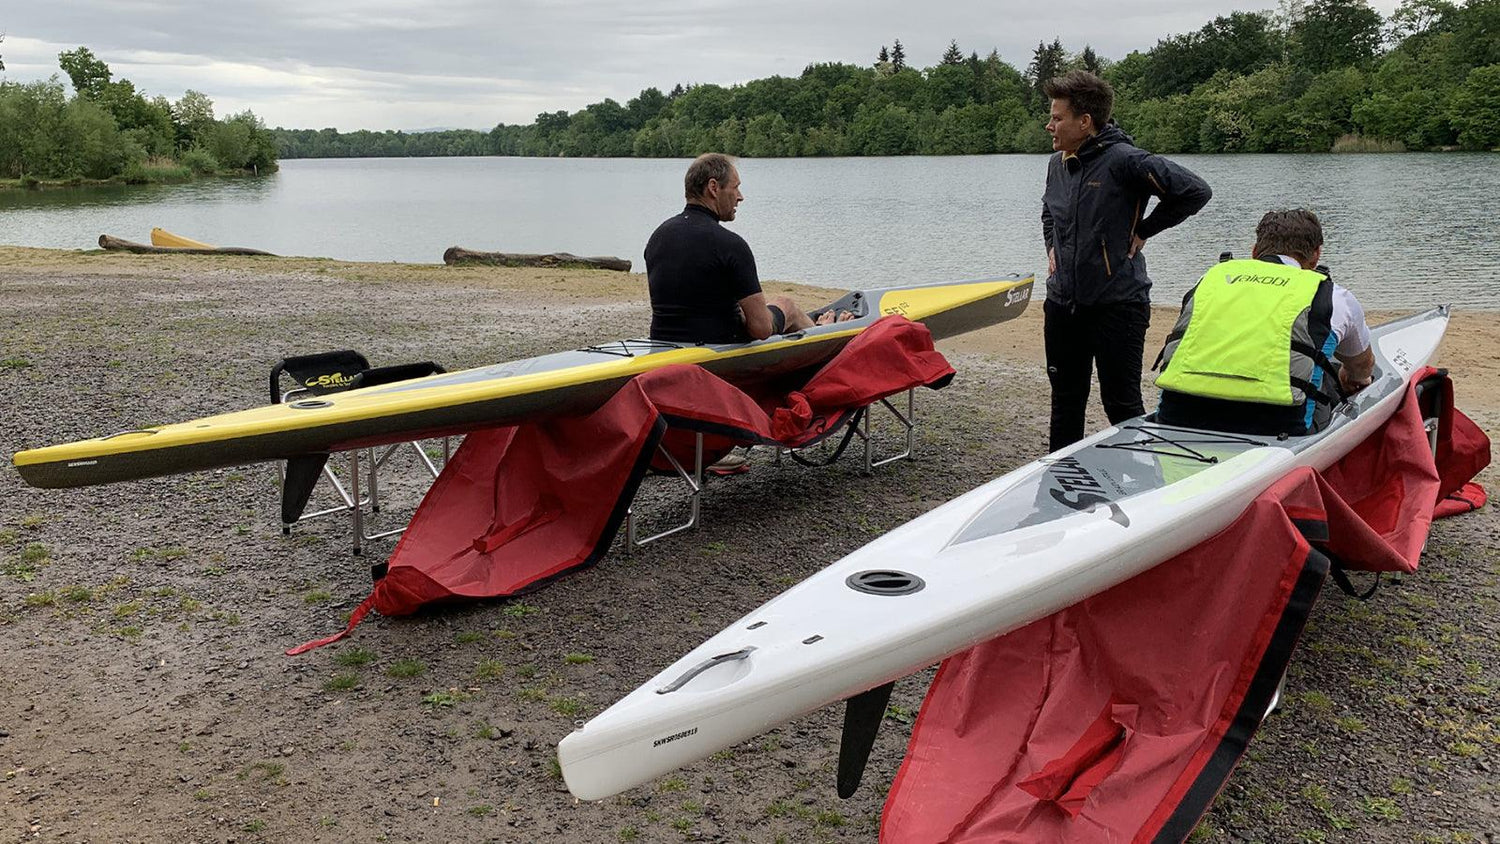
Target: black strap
[[1314, 393], [1322, 362], [843, 444], [1341, 577]]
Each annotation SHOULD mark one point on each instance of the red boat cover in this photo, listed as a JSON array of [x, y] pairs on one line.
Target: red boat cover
[[520, 505], [1121, 717]]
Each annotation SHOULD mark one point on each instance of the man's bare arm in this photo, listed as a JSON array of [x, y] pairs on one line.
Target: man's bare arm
[[1357, 370], [758, 322]]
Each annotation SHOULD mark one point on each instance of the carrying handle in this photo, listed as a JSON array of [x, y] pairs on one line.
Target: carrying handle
[[704, 666], [131, 431]]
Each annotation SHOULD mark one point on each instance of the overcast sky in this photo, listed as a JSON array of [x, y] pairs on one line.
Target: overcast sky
[[416, 64]]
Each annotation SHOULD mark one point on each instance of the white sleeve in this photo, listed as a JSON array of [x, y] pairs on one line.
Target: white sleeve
[[1348, 323]]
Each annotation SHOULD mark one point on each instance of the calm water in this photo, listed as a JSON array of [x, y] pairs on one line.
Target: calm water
[[1404, 230]]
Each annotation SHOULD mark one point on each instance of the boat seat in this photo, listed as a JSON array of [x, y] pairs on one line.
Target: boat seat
[[335, 372]]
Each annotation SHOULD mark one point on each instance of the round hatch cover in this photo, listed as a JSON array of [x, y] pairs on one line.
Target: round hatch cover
[[885, 582]]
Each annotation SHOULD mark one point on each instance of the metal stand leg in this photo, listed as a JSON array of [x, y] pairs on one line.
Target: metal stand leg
[[694, 484], [907, 420], [356, 514]]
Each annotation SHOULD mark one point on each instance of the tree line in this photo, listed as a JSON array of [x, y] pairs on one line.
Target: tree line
[[109, 130], [1309, 77]]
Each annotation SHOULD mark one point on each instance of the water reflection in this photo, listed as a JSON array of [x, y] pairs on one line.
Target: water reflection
[[1404, 230], [94, 196]]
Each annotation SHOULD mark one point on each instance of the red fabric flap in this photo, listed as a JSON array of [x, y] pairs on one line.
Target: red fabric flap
[[1465, 500], [1068, 779], [891, 356], [518, 506], [1018, 740]]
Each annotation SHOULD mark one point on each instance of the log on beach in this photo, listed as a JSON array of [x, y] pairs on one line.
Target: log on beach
[[460, 255], [121, 245]]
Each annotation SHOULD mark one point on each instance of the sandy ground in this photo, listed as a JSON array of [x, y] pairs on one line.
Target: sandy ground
[[145, 696]]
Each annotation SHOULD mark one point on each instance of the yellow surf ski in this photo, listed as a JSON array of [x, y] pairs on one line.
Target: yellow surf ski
[[500, 394]]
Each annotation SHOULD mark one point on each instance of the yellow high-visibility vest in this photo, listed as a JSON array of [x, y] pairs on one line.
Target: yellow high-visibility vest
[[1248, 332]]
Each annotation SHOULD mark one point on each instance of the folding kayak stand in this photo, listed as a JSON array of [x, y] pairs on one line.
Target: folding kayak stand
[[354, 498], [378, 458], [858, 426]]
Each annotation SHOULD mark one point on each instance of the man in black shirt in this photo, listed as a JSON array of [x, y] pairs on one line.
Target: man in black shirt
[[702, 276]]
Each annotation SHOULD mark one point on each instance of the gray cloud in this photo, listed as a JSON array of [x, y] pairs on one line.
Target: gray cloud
[[388, 64]]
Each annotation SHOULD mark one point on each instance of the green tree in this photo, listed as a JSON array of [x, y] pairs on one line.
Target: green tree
[[999, 82], [952, 55], [898, 57], [1243, 113], [768, 136], [969, 130], [1409, 92], [1325, 110], [1476, 30], [645, 106], [884, 130], [906, 88], [1416, 17], [1241, 42], [1088, 60], [1017, 130], [1166, 125], [845, 99], [241, 142], [147, 122], [1337, 33], [729, 136], [88, 74], [1047, 62], [1127, 75], [193, 115], [1475, 109], [703, 105], [949, 86]]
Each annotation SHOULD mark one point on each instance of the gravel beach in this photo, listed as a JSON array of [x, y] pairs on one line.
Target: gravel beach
[[144, 694]]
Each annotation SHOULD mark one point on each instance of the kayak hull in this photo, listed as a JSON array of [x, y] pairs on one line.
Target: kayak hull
[[162, 237], [1012, 551]]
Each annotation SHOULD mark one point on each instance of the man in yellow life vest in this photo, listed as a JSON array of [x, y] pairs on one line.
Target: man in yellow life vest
[[1253, 350]]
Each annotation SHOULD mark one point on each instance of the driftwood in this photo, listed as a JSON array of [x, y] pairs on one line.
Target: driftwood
[[460, 255], [117, 244]]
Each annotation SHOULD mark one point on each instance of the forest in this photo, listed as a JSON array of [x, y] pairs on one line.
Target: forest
[[1327, 75], [110, 131]]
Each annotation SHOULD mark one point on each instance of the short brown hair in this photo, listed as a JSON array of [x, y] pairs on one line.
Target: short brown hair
[[1296, 232], [710, 165], [1085, 93]]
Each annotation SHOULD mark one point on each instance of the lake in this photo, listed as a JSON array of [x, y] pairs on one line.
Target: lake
[[1405, 231]]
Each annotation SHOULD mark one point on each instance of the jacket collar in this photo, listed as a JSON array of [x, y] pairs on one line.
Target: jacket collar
[[692, 207]]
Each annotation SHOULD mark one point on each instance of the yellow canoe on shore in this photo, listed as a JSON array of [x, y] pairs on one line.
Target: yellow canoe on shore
[[162, 237]]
